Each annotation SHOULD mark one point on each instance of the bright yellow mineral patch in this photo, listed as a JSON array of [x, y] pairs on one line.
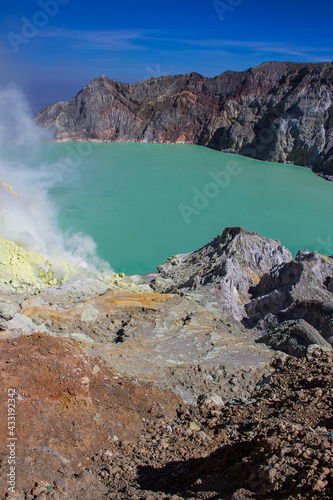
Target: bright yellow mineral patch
[[22, 269], [9, 188]]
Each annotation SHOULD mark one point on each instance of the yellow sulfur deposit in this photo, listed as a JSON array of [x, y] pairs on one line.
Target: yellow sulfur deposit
[[22, 269], [9, 188]]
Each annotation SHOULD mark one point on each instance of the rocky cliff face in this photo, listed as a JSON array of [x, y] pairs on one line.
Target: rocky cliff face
[[275, 112]]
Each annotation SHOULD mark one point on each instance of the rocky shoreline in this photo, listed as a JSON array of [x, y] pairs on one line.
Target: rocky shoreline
[[168, 385], [326, 177]]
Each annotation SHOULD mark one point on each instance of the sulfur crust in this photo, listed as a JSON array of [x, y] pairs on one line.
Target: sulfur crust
[[22, 269]]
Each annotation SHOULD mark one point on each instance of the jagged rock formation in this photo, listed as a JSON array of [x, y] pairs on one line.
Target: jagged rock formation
[[275, 112], [300, 289], [224, 270], [260, 284]]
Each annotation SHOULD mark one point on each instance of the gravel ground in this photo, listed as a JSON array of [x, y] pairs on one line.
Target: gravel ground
[[276, 445]]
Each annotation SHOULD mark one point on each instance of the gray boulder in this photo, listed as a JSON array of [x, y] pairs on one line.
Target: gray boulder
[[8, 309], [293, 337]]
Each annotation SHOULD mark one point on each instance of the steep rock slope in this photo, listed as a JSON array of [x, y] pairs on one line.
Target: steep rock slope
[[289, 301], [275, 112]]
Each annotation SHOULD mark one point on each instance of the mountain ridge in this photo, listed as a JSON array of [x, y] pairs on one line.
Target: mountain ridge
[[278, 111]]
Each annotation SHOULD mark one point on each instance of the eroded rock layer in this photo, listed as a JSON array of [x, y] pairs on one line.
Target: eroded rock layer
[[278, 111]]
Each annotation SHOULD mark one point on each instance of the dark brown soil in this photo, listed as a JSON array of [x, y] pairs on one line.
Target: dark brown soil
[[276, 445]]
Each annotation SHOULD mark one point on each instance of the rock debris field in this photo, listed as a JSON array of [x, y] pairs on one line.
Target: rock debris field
[[275, 445], [211, 379], [278, 444]]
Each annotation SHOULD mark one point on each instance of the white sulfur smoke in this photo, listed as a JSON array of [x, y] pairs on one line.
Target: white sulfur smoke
[[26, 214]]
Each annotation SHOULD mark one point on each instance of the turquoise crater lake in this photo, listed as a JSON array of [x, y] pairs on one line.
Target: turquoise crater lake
[[144, 202]]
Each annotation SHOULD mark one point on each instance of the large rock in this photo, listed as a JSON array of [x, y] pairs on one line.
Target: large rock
[[278, 111], [300, 289], [21, 324], [223, 271], [8, 309], [293, 337]]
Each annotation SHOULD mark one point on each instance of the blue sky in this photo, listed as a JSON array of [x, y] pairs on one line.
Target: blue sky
[[52, 48]]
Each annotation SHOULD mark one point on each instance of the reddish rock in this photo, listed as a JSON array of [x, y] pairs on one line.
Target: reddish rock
[[66, 411], [279, 111]]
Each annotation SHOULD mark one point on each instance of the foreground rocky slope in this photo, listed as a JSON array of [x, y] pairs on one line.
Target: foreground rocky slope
[[68, 406], [275, 112], [166, 385], [276, 445]]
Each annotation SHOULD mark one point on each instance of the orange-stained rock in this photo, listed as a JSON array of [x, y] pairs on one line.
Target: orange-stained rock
[[110, 301], [69, 406]]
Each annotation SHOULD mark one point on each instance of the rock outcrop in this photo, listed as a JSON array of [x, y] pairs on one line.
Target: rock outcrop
[[300, 289], [223, 271], [278, 111], [294, 337], [255, 280], [22, 270]]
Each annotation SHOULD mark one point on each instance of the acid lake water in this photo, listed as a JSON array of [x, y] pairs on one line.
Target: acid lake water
[[142, 203]]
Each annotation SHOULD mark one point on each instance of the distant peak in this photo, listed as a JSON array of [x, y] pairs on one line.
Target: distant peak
[[101, 78]]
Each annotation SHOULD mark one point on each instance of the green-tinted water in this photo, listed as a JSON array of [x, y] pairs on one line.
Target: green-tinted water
[[144, 202]]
